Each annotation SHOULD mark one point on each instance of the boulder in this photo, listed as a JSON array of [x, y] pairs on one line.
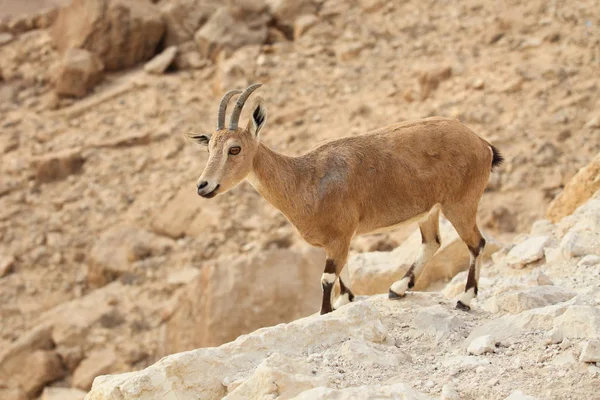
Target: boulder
[[397, 391], [526, 252], [278, 377], [590, 352], [159, 64], [120, 32], [374, 272], [37, 370], [78, 72], [184, 17], [58, 165], [254, 291], [223, 31], [204, 373], [117, 248], [481, 345], [579, 189], [285, 12], [579, 244], [579, 321], [516, 301], [97, 363], [56, 393]]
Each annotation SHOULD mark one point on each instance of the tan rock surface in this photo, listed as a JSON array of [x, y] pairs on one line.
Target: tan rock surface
[[122, 33], [79, 71]]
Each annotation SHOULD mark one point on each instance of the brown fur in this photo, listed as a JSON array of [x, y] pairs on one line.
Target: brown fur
[[361, 184]]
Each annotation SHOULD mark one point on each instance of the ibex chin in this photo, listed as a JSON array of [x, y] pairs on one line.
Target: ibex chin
[[359, 185]]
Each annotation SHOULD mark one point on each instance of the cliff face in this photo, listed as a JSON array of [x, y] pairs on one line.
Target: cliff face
[[534, 331]]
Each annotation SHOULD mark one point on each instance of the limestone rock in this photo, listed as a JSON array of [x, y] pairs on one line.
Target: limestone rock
[[52, 393], [201, 373], [398, 390], [161, 62], [579, 321], [117, 248], [579, 189], [437, 321], [59, 165], [184, 215], [120, 32], [285, 12], [12, 393], [254, 291], [278, 377], [303, 23], [372, 273], [481, 345], [37, 370], [518, 395], [184, 17], [578, 244], [79, 71], [526, 252], [367, 354], [70, 322], [97, 363], [6, 265], [590, 351], [516, 301], [224, 32], [30, 363]]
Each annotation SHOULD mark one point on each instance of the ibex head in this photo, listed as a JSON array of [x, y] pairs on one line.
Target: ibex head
[[230, 151]]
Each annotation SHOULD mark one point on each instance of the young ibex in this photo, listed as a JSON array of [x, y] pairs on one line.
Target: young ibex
[[360, 184]]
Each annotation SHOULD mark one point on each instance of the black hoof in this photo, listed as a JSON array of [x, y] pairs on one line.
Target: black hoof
[[393, 295], [327, 311], [462, 306]]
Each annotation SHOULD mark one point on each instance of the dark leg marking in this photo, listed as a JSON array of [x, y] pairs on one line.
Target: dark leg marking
[[327, 287], [345, 290], [472, 278]]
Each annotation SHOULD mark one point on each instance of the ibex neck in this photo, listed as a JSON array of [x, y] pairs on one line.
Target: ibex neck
[[277, 178]]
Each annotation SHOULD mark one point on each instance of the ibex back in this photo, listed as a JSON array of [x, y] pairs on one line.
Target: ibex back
[[360, 184]]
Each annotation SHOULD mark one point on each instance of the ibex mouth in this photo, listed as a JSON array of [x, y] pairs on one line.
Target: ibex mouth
[[212, 194]]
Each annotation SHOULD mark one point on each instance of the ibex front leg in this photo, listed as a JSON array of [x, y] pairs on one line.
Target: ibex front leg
[[337, 254]]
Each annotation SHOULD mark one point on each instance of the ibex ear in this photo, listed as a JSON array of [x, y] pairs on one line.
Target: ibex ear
[[199, 138], [259, 117]]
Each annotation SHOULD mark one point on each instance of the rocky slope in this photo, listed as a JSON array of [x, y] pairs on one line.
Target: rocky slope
[[108, 259], [535, 329]]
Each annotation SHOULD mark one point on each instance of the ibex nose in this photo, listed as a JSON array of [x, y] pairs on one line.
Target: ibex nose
[[202, 185]]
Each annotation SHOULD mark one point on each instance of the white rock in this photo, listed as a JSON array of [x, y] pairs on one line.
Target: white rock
[[590, 351], [367, 354], [161, 62], [200, 373], [577, 244], [278, 376], [542, 227], [397, 391], [55, 393], [437, 321], [528, 251], [579, 321], [481, 345], [518, 395], [517, 301], [449, 393], [589, 261]]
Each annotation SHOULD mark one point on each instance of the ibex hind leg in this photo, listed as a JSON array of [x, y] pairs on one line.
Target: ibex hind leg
[[430, 243], [463, 219]]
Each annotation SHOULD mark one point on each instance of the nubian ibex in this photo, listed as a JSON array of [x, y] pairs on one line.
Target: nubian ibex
[[359, 185]]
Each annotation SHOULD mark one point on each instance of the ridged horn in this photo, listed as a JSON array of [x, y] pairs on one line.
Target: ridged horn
[[223, 108], [237, 110]]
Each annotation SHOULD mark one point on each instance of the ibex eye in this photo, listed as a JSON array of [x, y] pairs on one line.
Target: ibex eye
[[235, 150]]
